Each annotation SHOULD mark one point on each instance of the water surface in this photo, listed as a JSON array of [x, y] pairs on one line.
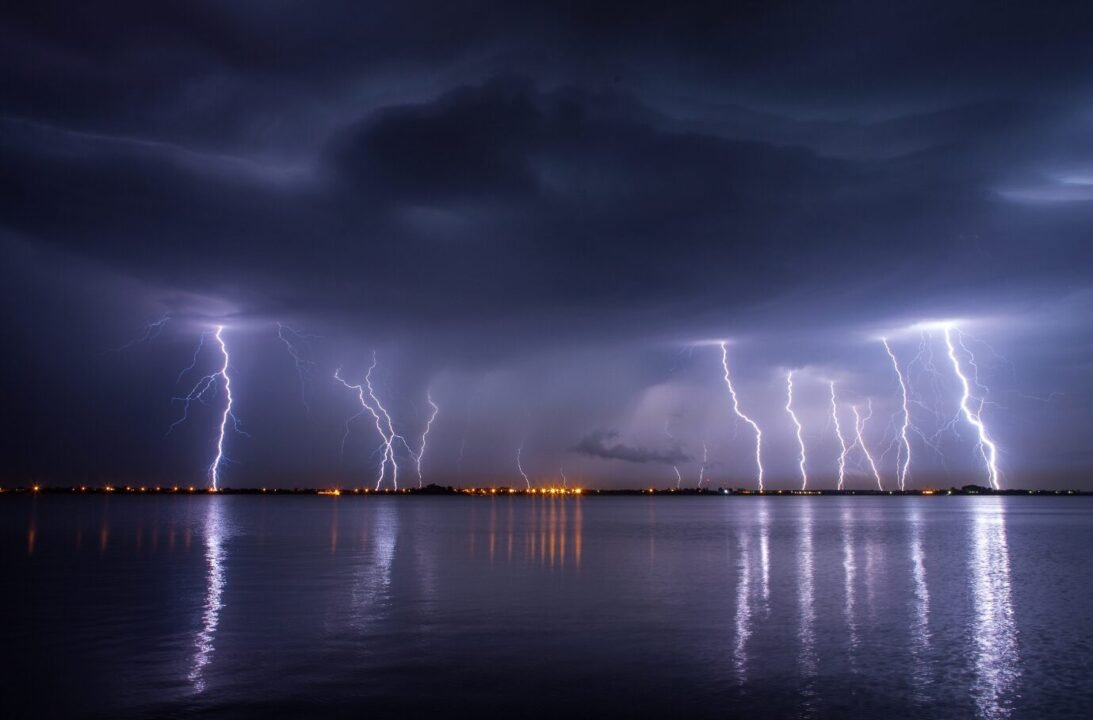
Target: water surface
[[813, 607]]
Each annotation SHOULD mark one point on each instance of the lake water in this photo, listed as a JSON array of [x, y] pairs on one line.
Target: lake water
[[813, 607]]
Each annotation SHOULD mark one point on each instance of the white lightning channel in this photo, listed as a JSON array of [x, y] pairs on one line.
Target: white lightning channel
[[214, 469], [799, 429], [742, 416], [903, 457], [859, 427], [839, 435], [384, 426], [987, 448], [425, 435], [198, 391], [705, 461], [520, 465]]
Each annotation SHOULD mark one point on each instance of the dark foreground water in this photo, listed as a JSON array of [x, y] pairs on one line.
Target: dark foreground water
[[233, 606]]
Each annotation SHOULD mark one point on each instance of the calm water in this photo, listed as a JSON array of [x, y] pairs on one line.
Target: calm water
[[118, 607]]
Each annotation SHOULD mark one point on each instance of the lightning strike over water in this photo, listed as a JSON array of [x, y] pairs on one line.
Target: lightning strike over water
[[839, 435], [742, 416], [214, 469], [859, 427], [799, 429], [565, 481], [384, 426], [198, 393], [425, 435], [903, 456], [987, 448], [520, 465], [702, 467]]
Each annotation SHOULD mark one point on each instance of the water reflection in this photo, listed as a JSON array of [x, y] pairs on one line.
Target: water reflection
[[764, 550], [553, 538], [850, 572], [806, 589], [204, 643], [743, 607], [874, 570], [372, 580], [920, 612], [578, 531], [994, 632]]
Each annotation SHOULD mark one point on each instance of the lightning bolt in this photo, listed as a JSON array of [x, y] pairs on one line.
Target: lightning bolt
[[565, 482], [384, 426], [290, 337], [668, 432], [924, 359], [839, 434], [214, 469], [905, 455], [425, 434], [520, 465], [742, 416], [797, 425], [702, 467], [859, 426], [198, 392], [988, 450], [151, 332]]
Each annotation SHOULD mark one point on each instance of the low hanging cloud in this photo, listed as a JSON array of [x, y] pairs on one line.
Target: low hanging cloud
[[603, 444]]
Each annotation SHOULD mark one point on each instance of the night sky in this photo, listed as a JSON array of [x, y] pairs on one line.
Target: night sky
[[544, 217]]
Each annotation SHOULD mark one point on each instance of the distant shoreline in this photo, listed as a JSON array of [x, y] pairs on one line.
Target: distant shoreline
[[449, 491]]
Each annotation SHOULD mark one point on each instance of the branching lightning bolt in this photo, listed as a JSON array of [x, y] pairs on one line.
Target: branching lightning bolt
[[193, 360], [384, 426], [903, 458], [742, 416], [987, 448], [425, 434], [859, 427], [214, 469], [839, 435], [290, 337], [151, 332], [198, 391], [565, 481], [797, 425]]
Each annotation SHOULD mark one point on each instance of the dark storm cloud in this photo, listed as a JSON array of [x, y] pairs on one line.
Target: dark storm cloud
[[603, 444], [476, 185], [499, 191]]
